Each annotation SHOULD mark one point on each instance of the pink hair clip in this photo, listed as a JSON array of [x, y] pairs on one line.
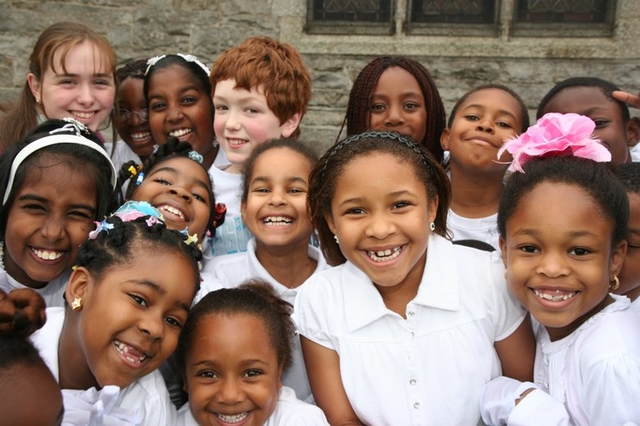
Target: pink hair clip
[[556, 135]]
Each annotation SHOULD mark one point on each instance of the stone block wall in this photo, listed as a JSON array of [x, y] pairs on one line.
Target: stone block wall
[[206, 27]]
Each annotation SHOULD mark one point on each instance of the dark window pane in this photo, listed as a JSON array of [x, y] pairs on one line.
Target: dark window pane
[[453, 11], [352, 10], [569, 11]]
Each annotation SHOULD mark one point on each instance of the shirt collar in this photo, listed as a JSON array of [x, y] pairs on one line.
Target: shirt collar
[[438, 288]]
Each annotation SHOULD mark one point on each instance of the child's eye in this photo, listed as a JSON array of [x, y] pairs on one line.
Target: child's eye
[[157, 106], [139, 300], [411, 105], [189, 100], [631, 246], [579, 251], [81, 214], [528, 249], [221, 107], [252, 110], [174, 322], [199, 197], [471, 117], [102, 82], [355, 211], [162, 181], [600, 123], [253, 373], [67, 81], [377, 107], [504, 125], [295, 191], [33, 207], [207, 374], [261, 190], [400, 204]]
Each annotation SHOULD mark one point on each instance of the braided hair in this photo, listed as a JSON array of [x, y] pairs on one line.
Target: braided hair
[[324, 177], [130, 172], [119, 242], [360, 99], [254, 297]]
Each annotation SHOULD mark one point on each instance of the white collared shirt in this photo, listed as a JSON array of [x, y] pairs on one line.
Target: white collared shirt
[[429, 368]]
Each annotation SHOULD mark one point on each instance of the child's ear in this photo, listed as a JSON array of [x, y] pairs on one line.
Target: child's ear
[[503, 249], [633, 132], [329, 218], [617, 257], [444, 139], [243, 211], [34, 86], [291, 124], [78, 284]]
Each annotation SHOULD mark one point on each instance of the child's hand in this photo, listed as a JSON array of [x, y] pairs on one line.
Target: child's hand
[[631, 100], [22, 312]]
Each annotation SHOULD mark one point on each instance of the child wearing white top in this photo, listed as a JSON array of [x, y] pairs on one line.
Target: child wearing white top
[[261, 90], [384, 333], [563, 221], [274, 208], [234, 349], [129, 295], [479, 123], [54, 184], [629, 175]]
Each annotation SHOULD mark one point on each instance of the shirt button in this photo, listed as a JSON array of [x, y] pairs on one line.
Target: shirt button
[[416, 405], [412, 382]]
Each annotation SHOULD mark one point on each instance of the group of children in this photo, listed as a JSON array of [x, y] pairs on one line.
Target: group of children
[[228, 235]]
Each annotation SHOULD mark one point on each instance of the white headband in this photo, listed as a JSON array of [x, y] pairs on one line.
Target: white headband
[[55, 140]]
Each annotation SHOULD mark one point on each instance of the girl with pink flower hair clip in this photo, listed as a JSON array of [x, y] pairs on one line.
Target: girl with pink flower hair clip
[[563, 222]]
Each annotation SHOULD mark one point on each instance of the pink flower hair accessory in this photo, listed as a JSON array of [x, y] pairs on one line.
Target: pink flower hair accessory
[[556, 135]]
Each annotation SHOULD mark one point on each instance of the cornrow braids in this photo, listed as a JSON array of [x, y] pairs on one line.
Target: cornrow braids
[[131, 172], [254, 297], [119, 242], [323, 180], [361, 97], [132, 69]]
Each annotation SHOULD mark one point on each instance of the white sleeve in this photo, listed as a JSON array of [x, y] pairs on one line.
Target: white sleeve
[[498, 407], [311, 314], [508, 313]]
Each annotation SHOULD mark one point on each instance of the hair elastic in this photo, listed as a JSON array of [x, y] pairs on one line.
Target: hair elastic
[[55, 140]]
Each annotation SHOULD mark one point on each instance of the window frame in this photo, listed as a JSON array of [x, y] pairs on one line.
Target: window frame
[[317, 27]]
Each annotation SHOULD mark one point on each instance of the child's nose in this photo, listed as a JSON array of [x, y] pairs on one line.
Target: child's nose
[[229, 391], [152, 325], [379, 226], [180, 192], [485, 125], [53, 229], [277, 198], [394, 116], [174, 113], [552, 265]]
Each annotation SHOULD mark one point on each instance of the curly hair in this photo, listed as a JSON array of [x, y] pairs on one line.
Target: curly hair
[[277, 68], [253, 297]]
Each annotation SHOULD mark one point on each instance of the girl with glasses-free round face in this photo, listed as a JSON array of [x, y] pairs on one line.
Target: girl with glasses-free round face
[[82, 87]]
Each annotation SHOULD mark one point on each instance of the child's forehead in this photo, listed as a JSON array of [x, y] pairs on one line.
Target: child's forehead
[[579, 98], [66, 57]]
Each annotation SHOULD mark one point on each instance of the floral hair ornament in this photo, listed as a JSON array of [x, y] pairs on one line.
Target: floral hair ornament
[[555, 135], [130, 211], [194, 59], [70, 133], [152, 61]]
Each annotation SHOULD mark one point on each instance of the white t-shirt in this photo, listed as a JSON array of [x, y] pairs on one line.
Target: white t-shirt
[[429, 368], [290, 411], [635, 305], [482, 229], [231, 270], [51, 293], [147, 395], [121, 154], [635, 152], [233, 235]]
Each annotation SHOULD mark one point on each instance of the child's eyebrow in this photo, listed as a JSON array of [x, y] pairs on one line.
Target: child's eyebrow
[[176, 172], [158, 289], [500, 111], [31, 197], [290, 179]]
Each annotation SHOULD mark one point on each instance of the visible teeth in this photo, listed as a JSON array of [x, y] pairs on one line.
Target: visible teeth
[[124, 350], [277, 221], [554, 297], [173, 210], [48, 254], [81, 114], [236, 418], [384, 255], [137, 136], [236, 142], [181, 132]]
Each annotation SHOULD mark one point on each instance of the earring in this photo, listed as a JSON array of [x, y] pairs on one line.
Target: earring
[[616, 283], [76, 304], [335, 237], [432, 226]]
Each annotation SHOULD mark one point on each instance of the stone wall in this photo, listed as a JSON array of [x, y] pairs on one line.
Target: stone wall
[[206, 27]]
